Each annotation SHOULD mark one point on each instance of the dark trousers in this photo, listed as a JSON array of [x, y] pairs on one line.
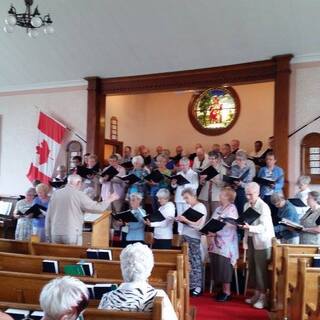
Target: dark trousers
[[162, 244], [274, 210], [240, 199]]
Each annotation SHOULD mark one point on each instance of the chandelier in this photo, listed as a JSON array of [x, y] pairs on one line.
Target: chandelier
[[31, 21]]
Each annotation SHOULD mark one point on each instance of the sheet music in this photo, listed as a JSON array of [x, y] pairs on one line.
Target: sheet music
[[5, 208], [91, 217]]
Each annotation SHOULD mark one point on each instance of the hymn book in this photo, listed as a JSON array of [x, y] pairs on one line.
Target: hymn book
[[291, 224], [297, 202], [37, 315], [155, 217], [181, 180], [233, 179], [57, 184], [155, 176], [50, 266], [125, 216], [192, 215], [213, 225], [110, 172], [18, 314], [131, 179], [96, 291], [36, 210], [87, 268], [102, 254], [248, 216], [210, 172]]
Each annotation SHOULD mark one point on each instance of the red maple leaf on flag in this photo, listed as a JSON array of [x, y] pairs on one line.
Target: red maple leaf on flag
[[43, 151]]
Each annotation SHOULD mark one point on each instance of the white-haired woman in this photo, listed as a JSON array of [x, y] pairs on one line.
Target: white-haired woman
[[303, 184], [42, 199], [24, 224], [64, 299], [163, 229], [192, 236], [135, 293]]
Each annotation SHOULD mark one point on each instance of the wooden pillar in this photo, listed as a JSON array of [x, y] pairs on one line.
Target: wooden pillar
[[281, 110], [95, 118]]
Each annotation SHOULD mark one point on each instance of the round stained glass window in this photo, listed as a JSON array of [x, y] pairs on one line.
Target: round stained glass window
[[215, 110]]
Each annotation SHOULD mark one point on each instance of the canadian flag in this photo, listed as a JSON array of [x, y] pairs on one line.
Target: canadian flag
[[50, 136]]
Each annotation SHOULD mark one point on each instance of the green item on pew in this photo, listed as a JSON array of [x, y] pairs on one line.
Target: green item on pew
[[73, 270]]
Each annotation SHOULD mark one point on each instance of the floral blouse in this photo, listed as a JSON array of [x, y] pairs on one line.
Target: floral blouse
[[225, 241]]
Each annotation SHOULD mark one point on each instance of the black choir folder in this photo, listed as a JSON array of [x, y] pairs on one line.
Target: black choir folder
[[192, 215], [155, 217], [155, 176], [110, 172], [213, 225], [210, 172], [291, 224], [18, 314], [58, 184], [125, 216], [130, 178], [50, 266], [36, 210], [181, 180], [87, 268], [102, 254], [297, 202], [248, 216], [233, 179], [264, 181]]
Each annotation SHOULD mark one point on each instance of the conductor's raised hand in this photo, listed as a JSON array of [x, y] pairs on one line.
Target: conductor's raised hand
[[112, 197]]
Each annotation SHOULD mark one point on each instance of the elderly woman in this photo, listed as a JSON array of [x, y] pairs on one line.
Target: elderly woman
[[209, 194], [64, 298], [24, 224], [192, 236], [163, 229], [42, 199], [311, 221], [135, 293], [304, 189], [223, 245]]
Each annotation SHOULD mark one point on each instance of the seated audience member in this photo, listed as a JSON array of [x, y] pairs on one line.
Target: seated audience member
[[135, 229], [216, 147], [159, 150], [241, 168], [140, 171], [64, 219], [61, 174], [179, 154], [42, 199], [24, 224], [257, 152], [85, 159], [114, 184], [192, 177], [273, 172], [209, 194], [227, 156], [192, 236], [127, 154], [311, 221], [64, 299], [304, 189], [194, 154], [288, 211], [201, 160], [163, 233], [223, 245], [145, 154], [258, 239], [235, 146], [135, 293], [161, 163]]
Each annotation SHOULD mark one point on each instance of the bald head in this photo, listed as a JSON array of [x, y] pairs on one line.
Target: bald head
[[235, 144]]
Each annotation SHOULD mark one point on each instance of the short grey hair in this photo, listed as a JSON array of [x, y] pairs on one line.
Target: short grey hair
[[136, 195], [190, 191], [303, 180], [253, 186], [276, 198], [185, 160], [315, 195], [242, 155], [31, 191], [163, 193], [136, 262], [60, 295], [137, 159], [73, 179]]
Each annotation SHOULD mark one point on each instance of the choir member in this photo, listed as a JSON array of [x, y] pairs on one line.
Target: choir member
[[192, 236], [114, 184], [257, 152], [64, 219], [311, 221], [258, 240], [170, 163], [145, 154], [135, 293], [201, 160], [194, 154], [209, 194], [42, 199], [64, 298], [163, 229], [304, 189], [85, 159], [179, 154], [227, 156], [127, 154], [223, 245], [24, 223], [235, 145], [159, 150], [286, 210], [192, 177], [76, 162], [216, 147], [61, 173], [91, 181]]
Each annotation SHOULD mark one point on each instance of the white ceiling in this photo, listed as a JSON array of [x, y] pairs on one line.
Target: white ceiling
[[110, 38]]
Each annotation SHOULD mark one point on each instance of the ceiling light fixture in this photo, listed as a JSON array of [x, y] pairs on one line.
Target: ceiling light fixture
[[31, 21]]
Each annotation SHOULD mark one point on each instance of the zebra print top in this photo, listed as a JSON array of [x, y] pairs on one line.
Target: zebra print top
[[129, 297]]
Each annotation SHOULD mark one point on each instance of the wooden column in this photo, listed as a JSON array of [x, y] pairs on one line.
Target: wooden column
[[95, 117], [281, 110]]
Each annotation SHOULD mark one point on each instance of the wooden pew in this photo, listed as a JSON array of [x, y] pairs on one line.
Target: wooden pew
[[95, 314], [305, 292], [276, 266], [313, 310], [14, 246]]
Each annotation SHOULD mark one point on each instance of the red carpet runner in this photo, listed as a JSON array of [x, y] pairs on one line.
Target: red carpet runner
[[236, 309]]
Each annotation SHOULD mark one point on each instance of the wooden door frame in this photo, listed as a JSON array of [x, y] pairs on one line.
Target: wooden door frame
[[276, 69]]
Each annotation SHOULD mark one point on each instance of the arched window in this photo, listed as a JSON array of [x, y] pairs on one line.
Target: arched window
[[310, 156], [74, 148]]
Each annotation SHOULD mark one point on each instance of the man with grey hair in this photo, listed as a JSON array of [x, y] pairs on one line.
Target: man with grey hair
[[258, 240], [64, 219]]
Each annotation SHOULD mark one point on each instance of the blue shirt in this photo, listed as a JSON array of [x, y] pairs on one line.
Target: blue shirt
[[276, 174], [136, 229], [140, 186]]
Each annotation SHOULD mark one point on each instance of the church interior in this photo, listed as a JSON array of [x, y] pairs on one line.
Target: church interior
[[159, 160]]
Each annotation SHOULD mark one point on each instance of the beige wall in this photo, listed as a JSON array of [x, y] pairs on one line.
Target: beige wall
[[162, 118]]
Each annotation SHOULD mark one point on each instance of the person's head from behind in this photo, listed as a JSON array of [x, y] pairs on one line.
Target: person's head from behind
[[136, 262], [113, 160], [92, 160], [214, 158], [252, 190], [64, 299], [235, 144], [313, 199], [189, 196], [76, 161], [137, 162], [42, 190], [227, 196], [303, 182], [241, 158], [75, 181], [271, 159], [278, 200], [184, 164], [258, 145], [226, 149], [30, 194], [135, 200], [163, 196]]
